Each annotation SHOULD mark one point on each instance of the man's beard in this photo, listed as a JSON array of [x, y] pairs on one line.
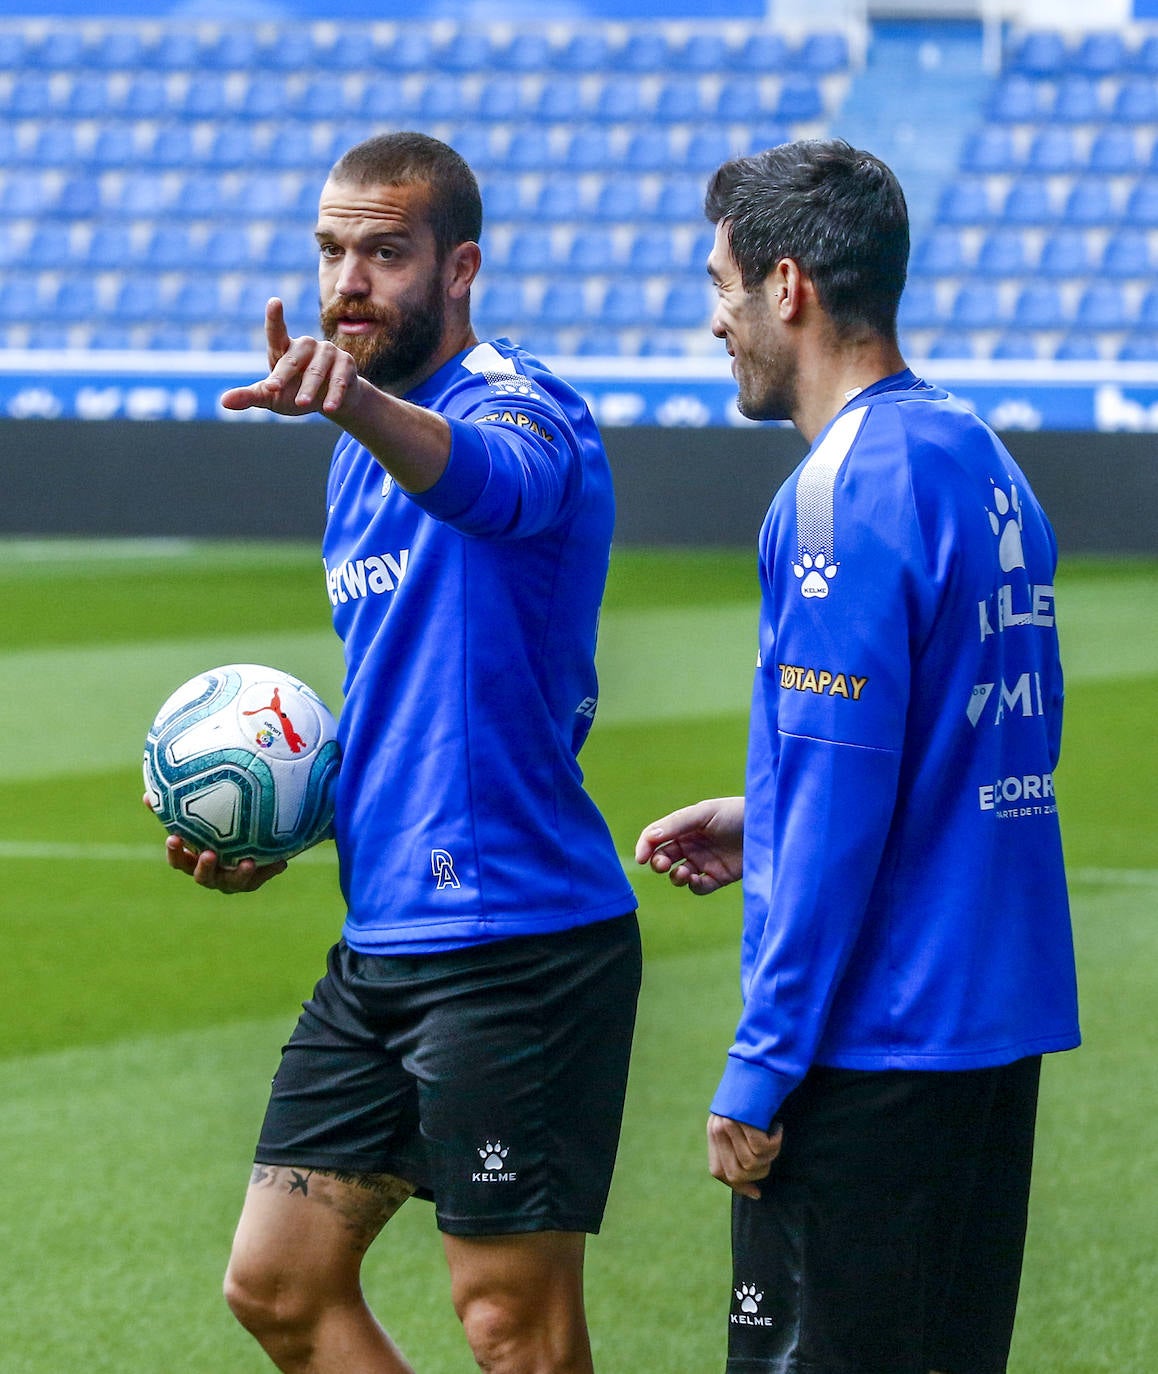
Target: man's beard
[[773, 396], [407, 338]]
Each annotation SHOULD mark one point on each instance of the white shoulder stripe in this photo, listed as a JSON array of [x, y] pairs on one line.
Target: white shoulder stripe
[[487, 359], [817, 481]]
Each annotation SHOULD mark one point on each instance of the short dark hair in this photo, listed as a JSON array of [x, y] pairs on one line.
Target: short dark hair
[[401, 159], [835, 210]]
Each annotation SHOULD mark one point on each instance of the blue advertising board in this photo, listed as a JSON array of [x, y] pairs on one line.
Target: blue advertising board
[[666, 392]]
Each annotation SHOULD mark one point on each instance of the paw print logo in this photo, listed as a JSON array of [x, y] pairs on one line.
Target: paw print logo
[[815, 574], [1006, 521], [749, 1299], [492, 1156]]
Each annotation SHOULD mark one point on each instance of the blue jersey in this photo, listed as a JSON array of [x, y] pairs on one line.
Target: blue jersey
[[468, 617], [904, 894]]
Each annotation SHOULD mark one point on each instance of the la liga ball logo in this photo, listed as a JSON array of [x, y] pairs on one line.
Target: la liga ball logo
[[265, 738]]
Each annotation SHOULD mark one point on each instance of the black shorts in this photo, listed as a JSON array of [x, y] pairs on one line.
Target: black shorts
[[492, 1078], [889, 1235]]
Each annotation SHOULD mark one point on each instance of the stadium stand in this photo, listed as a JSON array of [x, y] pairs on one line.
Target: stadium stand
[[156, 180]]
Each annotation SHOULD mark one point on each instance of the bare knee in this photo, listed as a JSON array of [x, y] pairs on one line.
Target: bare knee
[[280, 1314], [496, 1334]]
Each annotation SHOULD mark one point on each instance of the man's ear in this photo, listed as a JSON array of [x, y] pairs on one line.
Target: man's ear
[[784, 289], [462, 265]]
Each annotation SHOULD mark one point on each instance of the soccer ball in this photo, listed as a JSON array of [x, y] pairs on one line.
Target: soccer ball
[[243, 760]]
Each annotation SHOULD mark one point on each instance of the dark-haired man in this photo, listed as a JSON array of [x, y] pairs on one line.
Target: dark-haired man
[[907, 955], [470, 1038]]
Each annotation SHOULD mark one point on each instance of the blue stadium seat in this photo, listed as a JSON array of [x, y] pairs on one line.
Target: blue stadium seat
[[1065, 253], [169, 247], [175, 48], [1039, 305], [266, 96], [239, 144], [965, 201], [472, 50], [289, 249], [1053, 150], [1148, 311], [564, 304], [502, 199], [1077, 101], [30, 97], [383, 101], [14, 50], [652, 251], [800, 99], [235, 338], [679, 101], [1139, 348], [1142, 204], [138, 299], [619, 100], [117, 48], [89, 96], [740, 99], [529, 50], [530, 149], [618, 199], [701, 52], [687, 305], [13, 245], [228, 249], [532, 250], [1100, 54], [592, 250], [561, 100], [648, 150], [588, 149], [1102, 306], [762, 50], [823, 53], [1136, 101], [977, 305], [1015, 347], [644, 50], [79, 197], [560, 197], [599, 343], [766, 135], [991, 148], [707, 148], [20, 299], [919, 306], [147, 96], [624, 304], [116, 145], [1028, 202], [587, 49], [471, 141], [537, 339], [953, 344], [1145, 57], [441, 97], [1114, 151], [1041, 52], [680, 200], [409, 50], [26, 195], [1091, 201], [203, 98], [1077, 348], [1003, 253], [233, 48], [1127, 254], [1016, 100], [196, 301], [939, 254], [55, 145]]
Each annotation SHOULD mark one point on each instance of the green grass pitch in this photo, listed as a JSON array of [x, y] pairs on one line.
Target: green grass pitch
[[143, 1017]]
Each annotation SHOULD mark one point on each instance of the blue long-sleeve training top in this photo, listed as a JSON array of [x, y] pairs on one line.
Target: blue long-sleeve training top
[[468, 617], [904, 892]]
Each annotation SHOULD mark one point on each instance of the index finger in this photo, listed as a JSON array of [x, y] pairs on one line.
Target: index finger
[[277, 337]]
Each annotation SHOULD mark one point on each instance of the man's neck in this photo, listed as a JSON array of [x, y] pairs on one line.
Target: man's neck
[[830, 378]]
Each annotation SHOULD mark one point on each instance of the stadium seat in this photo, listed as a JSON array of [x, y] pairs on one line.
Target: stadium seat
[[138, 300], [648, 150], [532, 250], [1077, 101], [587, 49], [266, 96], [30, 97], [116, 48], [1136, 101], [89, 97], [441, 97], [964, 201], [176, 48], [680, 199], [235, 338], [1145, 57], [79, 197], [560, 197], [644, 50], [500, 301], [147, 96], [652, 251], [561, 100], [762, 50], [502, 199], [599, 343], [624, 304], [20, 299], [172, 146], [687, 305], [196, 301], [1016, 100], [529, 50], [766, 135], [618, 199], [1102, 306], [1126, 254], [1091, 202], [977, 305], [1142, 203], [529, 149], [679, 101], [707, 148], [1039, 305], [619, 100], [939, 254], [1041, 52], [1065, 253], [535, 338], [1077, 348], [1147, 319], [409, 50], [1015, 347], [800, 99], [705, 51], [168, 247], [1114, 150], [1028, 202], [227, 248], [471, 141], [289, 249], [1003, 253], [823, 53], [116, 145], [741, 99], [991, 148], [55, 145], [919, 306], [1100, 54], [233, 48], [592, 250], [588, 149], [564, 304], [203, 98], [1053, 150], [954, 344], [383, 100], [1139, 348]]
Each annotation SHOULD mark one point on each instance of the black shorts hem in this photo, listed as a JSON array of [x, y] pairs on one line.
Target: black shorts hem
[[516, 1225]]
